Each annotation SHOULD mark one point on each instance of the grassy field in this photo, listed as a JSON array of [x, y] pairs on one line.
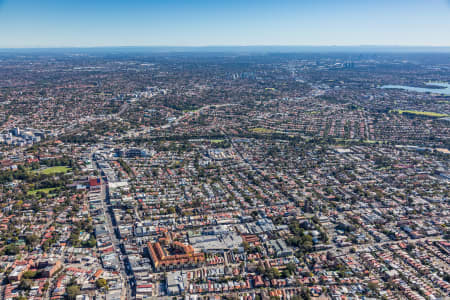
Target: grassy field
[[45, 191], [421, 113], [356, 140], [262, 130], [216, 141], [55, 170]]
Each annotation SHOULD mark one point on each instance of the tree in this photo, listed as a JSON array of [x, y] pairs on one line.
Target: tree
[[31, 239], [25, 284], [90, 243], [291, 267], [29, 274], [305, 293], [272, 273], [246, 246], [72, 291], [286, 273], [101, 283], [11, 249]]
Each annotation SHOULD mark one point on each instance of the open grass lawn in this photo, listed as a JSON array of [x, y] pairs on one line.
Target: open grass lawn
[[356, 140], [421, 113], [216, 141], [262, 130], [55, 170], [45, 191]]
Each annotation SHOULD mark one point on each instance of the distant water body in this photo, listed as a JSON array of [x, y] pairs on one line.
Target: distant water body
[[444, 88]]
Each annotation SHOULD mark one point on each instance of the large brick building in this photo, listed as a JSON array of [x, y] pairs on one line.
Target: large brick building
[[163, 260]]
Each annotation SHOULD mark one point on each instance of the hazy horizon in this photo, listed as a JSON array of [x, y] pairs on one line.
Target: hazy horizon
[[201, 23], [255, 49]]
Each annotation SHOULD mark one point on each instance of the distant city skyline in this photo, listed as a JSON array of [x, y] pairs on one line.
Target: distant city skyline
[[100, 23]]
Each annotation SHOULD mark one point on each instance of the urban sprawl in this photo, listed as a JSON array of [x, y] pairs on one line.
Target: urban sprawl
[[224, 176]]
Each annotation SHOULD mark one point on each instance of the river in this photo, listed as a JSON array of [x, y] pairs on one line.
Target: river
[[445, 88]]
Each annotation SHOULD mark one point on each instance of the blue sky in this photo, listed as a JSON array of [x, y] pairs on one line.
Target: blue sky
[[56, 23]]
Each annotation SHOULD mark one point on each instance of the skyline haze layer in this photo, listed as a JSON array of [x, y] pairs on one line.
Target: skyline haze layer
[[51, 23]]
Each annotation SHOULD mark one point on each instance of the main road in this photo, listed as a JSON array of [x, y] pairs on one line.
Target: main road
[[112, 229]]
